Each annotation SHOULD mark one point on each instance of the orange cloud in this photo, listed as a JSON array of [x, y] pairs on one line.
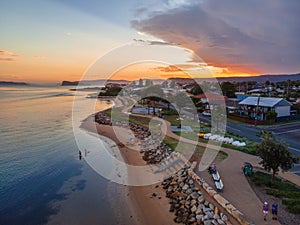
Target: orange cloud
[[7, 56], [39, 57], [168, 69]]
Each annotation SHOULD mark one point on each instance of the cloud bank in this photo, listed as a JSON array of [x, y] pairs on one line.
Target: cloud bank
[[7, 56], [251, 35]]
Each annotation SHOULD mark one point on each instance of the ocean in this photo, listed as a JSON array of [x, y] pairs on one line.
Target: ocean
[[42, 179]]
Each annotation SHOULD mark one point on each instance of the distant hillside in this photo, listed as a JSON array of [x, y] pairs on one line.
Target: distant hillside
[[263, 78], [69, 83], [260, 78], [10, 83]]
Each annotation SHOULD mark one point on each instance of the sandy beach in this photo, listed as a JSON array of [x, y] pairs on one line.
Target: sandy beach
[[144, 207]]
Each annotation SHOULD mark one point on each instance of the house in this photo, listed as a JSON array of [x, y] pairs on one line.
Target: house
[[210, 99], [232, 104], [258, 91], [240, 95], [261, 105]]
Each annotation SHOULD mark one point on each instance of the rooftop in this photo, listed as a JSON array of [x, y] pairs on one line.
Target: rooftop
[[265, 101]]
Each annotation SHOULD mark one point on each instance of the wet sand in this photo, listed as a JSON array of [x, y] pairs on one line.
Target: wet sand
[[143, 206]]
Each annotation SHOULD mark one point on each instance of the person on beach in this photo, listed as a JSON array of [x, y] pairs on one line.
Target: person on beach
[[80, 155], [274, 210], [265, 210]]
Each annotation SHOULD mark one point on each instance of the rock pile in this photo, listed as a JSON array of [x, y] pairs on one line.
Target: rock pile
[[156, 154], [102, 118], [139, 131], [188, 203]]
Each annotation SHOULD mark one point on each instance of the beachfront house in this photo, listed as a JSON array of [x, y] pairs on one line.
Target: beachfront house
[[257, 107]]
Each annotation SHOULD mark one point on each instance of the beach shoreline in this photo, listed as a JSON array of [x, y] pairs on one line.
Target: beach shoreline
[[146, 204]]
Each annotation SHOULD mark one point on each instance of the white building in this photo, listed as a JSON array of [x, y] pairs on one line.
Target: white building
[[261, 105]]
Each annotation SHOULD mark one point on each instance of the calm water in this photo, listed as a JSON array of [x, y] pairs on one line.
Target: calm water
[[39, 156]]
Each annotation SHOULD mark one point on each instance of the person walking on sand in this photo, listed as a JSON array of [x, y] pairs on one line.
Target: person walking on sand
[[265, 210], [80, 155], [274, 210]]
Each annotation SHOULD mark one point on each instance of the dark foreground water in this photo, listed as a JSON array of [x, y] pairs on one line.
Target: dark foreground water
[[39, 165]]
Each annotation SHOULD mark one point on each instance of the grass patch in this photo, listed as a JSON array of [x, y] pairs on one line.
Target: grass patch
[[249, 149], [191, 135], [187, 149], [293, 205], [288, 192], [142, 121], [234, 121], [221, 156], [173, 120], [171, 142], [117, 114]]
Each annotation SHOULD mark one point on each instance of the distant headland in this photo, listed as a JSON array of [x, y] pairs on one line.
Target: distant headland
[[69, 83], [92, 82], [11, 83]]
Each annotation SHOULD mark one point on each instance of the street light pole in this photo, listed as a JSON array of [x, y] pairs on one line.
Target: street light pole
[[256, 111]]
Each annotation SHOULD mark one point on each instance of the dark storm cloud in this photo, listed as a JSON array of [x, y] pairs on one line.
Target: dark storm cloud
[[245, 35]]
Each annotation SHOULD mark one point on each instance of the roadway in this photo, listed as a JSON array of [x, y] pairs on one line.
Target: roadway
[[288, 133]]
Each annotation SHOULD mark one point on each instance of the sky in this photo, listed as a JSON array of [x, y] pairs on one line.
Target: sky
[[53, 40]]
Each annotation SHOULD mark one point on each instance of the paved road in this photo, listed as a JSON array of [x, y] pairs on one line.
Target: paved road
[[289, 133], [245, 130]]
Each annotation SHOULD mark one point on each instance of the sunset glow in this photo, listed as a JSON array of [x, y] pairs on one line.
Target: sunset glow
[[63, 46]]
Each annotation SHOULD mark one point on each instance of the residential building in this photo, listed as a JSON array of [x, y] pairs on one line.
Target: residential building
[[257, 107]]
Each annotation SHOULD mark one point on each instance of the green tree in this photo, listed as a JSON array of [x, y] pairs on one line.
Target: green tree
[[181, 100], [271, 115], [196, 90], [153, 93], [275, 155], [112, 91], [228, 89]]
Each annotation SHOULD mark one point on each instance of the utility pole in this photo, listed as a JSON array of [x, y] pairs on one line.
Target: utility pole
[[256, 111]]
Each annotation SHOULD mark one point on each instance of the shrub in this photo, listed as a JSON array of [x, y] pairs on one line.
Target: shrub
[[293, 205]]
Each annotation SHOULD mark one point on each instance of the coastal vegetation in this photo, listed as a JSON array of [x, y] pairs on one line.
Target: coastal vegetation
[[288, 192], [110, 91]]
